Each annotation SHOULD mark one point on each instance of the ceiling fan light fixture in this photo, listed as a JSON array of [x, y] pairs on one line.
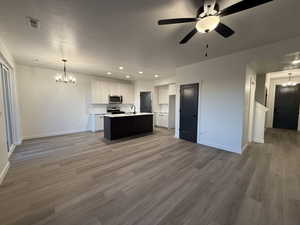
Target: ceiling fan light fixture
[[207, 24], [295, 62]]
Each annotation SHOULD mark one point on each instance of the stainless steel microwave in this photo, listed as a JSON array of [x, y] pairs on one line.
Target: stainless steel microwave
[[115, 99]]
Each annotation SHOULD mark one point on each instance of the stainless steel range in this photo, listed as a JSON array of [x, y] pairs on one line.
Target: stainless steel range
[[114, 109]]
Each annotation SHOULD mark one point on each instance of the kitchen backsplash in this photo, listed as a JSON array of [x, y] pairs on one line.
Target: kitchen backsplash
[[101, 109], [164, 108]]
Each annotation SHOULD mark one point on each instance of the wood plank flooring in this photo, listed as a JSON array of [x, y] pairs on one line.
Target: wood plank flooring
[[80, 179]]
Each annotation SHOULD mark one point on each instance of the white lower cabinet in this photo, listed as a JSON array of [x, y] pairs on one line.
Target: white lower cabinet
[[162, 120], [97, 123]]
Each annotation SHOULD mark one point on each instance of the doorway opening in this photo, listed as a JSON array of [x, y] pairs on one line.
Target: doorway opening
[[7, 103], [188, 124], [283, 99], [146, 102], [172, 102]]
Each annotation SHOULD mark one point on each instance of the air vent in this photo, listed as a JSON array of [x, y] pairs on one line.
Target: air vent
[[33, 23]]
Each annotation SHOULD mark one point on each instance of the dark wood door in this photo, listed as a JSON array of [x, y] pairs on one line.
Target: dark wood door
[[286, 107], [189, 112], [145, 102]]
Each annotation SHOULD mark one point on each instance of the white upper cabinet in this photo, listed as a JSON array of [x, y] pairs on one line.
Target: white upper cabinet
[[126, 90], [115, 89], [100, 91], [172, 89], [163, 95]]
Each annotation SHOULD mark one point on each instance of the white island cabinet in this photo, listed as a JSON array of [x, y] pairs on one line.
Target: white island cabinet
[[101, 90]]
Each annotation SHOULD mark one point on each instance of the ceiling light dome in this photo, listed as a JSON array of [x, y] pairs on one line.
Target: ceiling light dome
[[208, 24]]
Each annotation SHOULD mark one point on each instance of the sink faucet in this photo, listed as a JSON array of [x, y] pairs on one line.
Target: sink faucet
[[133, 107]]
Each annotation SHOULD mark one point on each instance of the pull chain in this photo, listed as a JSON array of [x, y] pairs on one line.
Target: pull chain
[[206, 51]]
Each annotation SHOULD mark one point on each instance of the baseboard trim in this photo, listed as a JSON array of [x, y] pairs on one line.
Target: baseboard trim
[[4, 172], [220, 147], [11, 150], [54, 134], [259, 140], [245, 147]]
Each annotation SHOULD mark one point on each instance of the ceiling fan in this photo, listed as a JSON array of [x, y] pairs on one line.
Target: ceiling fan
[[209, 16]]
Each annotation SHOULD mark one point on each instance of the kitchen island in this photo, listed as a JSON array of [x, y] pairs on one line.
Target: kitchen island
[[125, 125]]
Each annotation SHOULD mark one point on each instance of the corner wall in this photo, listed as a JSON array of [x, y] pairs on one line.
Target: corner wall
[[223, 93], [221, 99]]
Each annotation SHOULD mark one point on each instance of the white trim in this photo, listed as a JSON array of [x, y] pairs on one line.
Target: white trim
[[11, 150], [54, 134], [4, 172], [259, 140], [244, 147], [220, 146]]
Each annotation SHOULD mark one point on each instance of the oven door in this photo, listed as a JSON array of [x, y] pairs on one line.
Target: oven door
[[115, 99]]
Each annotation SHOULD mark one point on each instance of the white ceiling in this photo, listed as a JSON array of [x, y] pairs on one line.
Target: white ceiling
[[284, 74], [99, 36]]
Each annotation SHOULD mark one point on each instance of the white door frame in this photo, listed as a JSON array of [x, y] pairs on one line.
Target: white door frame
[[251, 109], [8, 108]]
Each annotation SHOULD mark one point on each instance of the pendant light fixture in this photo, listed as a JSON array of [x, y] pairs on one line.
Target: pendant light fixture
[[64, 78], [289, 83]]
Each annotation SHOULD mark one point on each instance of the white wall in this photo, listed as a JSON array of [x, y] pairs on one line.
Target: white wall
[[271, 98], [221, 98], [50, 108], [222, 92]]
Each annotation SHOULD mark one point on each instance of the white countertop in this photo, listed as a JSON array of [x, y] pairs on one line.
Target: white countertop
[[127, 114], [97, 114]]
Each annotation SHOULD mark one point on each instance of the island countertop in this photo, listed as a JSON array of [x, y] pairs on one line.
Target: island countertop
[[126, 115]]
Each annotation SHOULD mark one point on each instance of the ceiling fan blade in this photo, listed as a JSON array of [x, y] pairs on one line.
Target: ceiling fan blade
[[243, 5], [188, 36], [178, 20], [224, 30], [200, 10]]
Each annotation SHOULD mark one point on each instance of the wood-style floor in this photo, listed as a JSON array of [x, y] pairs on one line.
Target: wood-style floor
[[80, 179]]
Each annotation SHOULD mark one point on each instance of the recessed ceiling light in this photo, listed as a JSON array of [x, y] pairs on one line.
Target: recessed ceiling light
[[121, 68], [156, 76], [109, 73], [141, 72], [127, 76], [36, 60], [296, 61]]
